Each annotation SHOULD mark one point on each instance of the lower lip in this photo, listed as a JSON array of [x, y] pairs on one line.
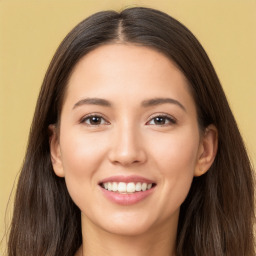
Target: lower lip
[[127, 199]]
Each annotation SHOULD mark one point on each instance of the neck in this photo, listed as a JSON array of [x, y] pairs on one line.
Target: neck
[[155, 242]]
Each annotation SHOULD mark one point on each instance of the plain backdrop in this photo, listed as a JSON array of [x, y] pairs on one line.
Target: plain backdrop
[[30, 32]]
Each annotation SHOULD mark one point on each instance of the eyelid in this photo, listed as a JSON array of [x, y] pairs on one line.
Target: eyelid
[[169, 117], [164, 115], [83, 119]]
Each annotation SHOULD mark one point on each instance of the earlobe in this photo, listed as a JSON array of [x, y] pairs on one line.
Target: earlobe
[[55, 151], [207, 150]]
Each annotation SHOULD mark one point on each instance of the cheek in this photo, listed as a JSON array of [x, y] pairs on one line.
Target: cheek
[[81, 158], [177, 151], [176, 158], [80, 152]]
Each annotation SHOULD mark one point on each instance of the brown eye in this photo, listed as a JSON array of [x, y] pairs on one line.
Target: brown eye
[[94, 120], [162, 120]]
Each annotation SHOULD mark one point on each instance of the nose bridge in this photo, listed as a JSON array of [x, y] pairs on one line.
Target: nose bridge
[[127, 147]]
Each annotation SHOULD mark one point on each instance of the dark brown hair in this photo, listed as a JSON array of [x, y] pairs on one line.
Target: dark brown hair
[[217, 216]]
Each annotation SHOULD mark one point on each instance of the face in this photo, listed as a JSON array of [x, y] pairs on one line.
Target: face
[[128, 144]]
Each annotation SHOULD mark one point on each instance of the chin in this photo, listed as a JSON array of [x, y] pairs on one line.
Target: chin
[[125, 224], [126, 229]]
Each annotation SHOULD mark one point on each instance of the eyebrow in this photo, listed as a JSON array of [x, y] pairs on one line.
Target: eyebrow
[[159, 101], [92, 101], [145, 103]]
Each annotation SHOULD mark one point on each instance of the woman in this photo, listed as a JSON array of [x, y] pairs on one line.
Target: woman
[[133, 148]]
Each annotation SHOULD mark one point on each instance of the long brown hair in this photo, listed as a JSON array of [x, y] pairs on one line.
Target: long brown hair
[[217, 216]]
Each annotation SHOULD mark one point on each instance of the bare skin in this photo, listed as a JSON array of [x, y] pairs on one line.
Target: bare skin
[[146, 125]]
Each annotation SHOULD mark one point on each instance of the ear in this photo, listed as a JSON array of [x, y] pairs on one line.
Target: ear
[[207, 150], [55, 151]]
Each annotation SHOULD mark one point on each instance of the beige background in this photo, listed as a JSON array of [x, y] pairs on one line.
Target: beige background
[[30, 32]]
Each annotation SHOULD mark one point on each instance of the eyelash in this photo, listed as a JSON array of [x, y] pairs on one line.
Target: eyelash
[[89, 117], [171, 120]]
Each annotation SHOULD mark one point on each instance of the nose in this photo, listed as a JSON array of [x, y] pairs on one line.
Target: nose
[[127, 147]]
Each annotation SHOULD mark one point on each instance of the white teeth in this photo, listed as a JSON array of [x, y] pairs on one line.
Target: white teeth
[[144, 186], [130, 187], [121, 187], [114, 186], [138, 186]]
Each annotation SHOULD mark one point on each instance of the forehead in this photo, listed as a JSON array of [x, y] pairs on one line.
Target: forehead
[[121, 71], [118, 58]]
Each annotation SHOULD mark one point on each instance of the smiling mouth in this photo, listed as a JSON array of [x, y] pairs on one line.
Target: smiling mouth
[[127, 188]]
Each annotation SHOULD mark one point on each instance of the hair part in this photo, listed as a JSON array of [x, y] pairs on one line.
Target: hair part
[[217, 216]]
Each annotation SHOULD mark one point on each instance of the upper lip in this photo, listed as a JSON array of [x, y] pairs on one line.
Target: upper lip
[[126, 179]]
